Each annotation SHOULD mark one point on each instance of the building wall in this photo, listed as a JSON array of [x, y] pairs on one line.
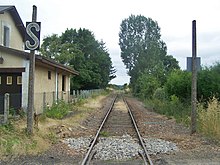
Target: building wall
[[63, 94], [16, 41], [16, 61], [43, 88], [42, 83], [11, 60], [47, 91]]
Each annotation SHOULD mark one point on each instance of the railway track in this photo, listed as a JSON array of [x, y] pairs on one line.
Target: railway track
[[118, 121]]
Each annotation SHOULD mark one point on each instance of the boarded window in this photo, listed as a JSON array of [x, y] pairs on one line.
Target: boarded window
[[49, 75], [9, 80], [6, 36], [63, 83], [19, 80]]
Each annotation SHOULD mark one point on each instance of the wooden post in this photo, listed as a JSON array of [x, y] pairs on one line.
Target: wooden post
[[30, 111], [6, 108], [194, 79]]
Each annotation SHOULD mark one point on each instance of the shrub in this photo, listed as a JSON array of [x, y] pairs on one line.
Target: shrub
[[160, 94], [179, 84], [58, 110], [146, 86], [209, 82]]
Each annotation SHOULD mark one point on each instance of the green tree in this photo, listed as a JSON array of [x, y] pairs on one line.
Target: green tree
[[80, 50], [137, 34], [51, 46], [143, 51]]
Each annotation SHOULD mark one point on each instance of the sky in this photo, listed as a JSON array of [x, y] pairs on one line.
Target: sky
[[103, 18]]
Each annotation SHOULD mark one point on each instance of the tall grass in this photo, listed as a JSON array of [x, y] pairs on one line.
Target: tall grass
[[172, 108], [209, 119]]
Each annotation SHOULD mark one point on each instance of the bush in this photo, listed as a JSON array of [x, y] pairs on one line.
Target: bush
[[160, 94], [209, 83], [179, 84], [146, 86], [58, 110]]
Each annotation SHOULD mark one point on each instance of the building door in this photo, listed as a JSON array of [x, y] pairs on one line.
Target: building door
[[11, 83]]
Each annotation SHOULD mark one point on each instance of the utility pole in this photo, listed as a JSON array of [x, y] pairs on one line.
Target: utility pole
[[30, 110], [194, 80]]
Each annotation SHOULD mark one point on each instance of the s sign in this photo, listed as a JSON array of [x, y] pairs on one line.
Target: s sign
[[32, 36]]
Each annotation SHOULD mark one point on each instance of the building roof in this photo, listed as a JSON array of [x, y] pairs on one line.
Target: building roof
[[55, 64], [16, 17], [39, 59]]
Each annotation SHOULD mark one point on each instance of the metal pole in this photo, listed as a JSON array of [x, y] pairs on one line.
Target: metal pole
[[30, 111], [194, 79]]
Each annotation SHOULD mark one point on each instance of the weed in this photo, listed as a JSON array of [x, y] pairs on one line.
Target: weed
[[31, 146], [58, 110], [52, 137], [104, 134], [15, 141], [7, 127], [12, 111]]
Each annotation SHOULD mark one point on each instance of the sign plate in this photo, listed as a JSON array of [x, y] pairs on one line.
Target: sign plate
[[32, 36]]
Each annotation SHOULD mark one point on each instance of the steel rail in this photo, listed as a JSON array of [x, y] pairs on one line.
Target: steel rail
[[138, 133], [97, 134]]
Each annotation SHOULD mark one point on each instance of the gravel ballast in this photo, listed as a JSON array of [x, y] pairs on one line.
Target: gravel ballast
[[120, 148]]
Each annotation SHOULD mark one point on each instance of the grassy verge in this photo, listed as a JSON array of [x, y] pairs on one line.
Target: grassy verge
[[208, 119], [172, 109], [14, 141], [13, 138]]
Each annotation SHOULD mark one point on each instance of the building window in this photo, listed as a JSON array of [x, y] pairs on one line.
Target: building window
[[9, 80], [0, 80], [19, 80], [63, 83], [49, 75], [6, 36]]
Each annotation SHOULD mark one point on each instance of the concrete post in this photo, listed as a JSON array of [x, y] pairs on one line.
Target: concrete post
[[6, 108], [54, 96], [44, 101]]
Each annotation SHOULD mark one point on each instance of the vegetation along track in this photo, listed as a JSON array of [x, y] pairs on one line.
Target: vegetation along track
[[118, 121]]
